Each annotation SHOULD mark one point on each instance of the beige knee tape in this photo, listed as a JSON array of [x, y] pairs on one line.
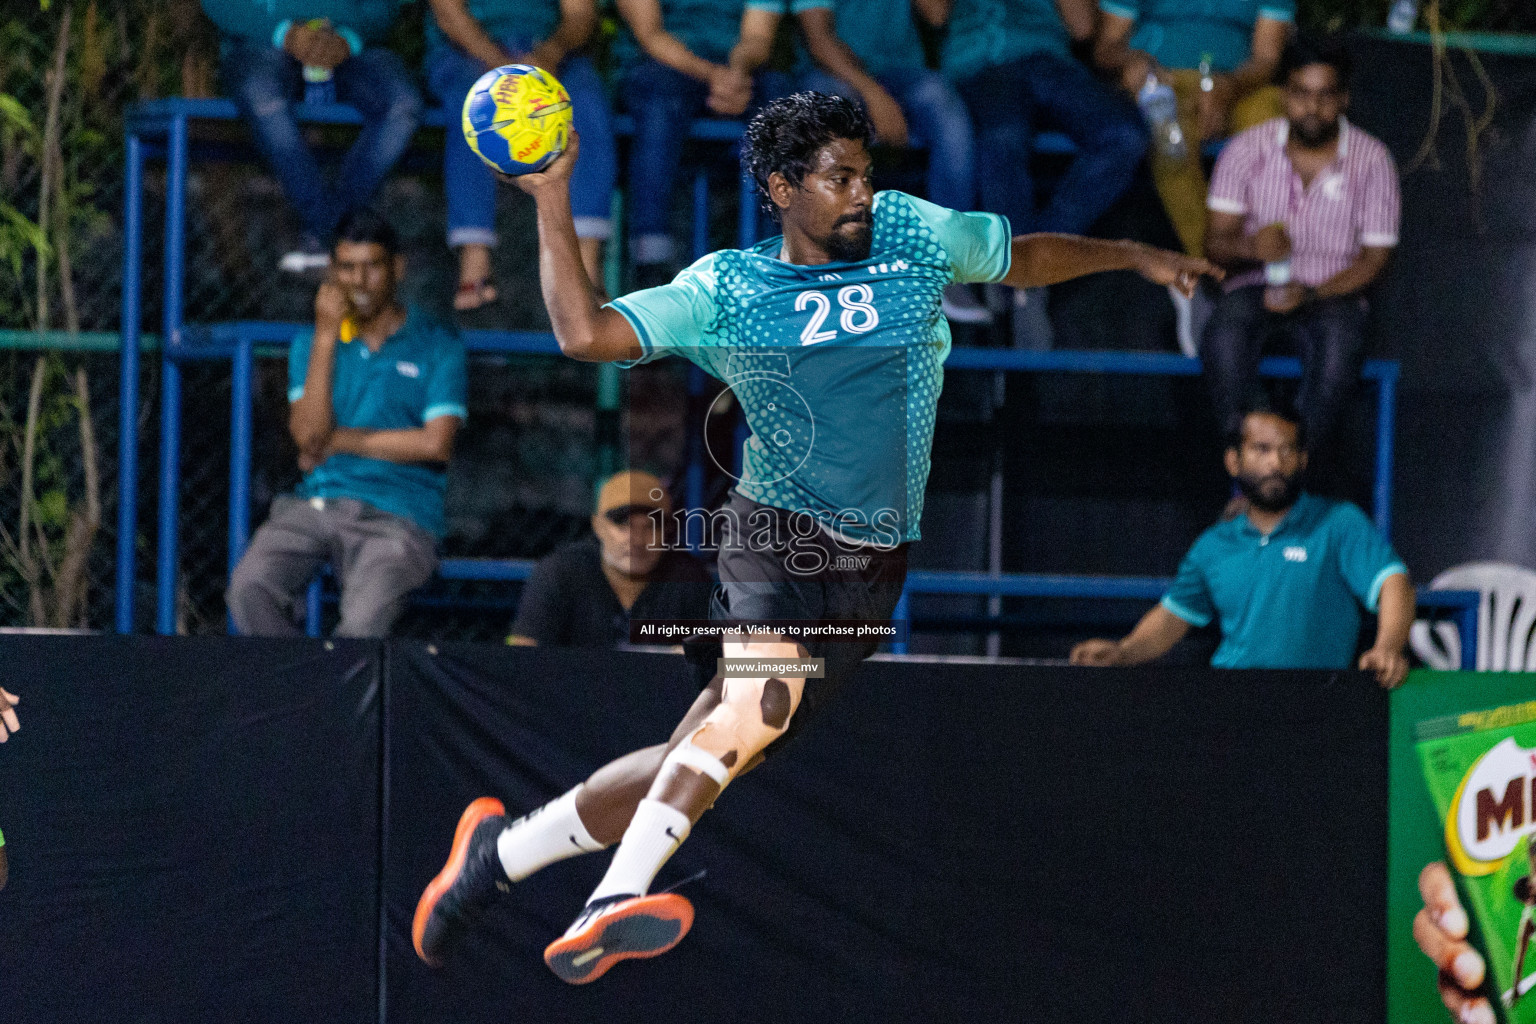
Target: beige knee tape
[[752, 713]]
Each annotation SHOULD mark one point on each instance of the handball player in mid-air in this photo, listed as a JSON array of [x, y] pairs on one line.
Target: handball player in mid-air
[[832, 339]]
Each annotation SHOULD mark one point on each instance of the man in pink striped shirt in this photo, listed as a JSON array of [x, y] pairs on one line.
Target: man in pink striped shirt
[[1304, 214]]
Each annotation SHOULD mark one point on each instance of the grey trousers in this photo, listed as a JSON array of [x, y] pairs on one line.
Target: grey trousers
[[377, 558]]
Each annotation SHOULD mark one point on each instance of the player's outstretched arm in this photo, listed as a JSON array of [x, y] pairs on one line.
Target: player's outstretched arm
[[584, 329], [1043, 259]]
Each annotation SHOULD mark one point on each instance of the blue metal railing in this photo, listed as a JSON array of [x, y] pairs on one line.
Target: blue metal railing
[[161, 128], [1462, 604]]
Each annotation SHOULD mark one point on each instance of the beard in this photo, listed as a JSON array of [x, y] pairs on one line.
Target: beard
[[1274, 493], [850, 247], [1314, 137]]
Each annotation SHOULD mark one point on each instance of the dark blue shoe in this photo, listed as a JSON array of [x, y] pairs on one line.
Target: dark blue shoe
[[456, 899], [618, 928]]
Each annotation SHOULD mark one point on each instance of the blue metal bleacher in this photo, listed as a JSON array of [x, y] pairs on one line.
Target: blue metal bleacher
[[162, 129]]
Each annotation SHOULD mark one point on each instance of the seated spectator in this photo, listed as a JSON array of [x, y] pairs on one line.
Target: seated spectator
[[692, 55], [1220, 60], [377, 397], [1304, 214], [467, 38], [1285, 580], [1011, 61], [585, 593], [869, 50], [269, 51]]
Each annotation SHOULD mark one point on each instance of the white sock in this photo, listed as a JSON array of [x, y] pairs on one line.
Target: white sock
[[544, 835], [654, 833]]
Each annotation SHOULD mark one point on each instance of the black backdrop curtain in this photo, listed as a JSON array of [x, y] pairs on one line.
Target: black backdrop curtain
[[195, 835]]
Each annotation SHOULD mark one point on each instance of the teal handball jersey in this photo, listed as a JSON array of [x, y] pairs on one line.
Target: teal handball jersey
[[837, 367]]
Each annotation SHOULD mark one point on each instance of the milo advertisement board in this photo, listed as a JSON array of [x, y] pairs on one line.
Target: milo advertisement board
[[1479, 767], [1464, 792]]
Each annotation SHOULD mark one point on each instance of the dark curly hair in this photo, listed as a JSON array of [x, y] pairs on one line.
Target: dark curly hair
[[1310, 48], [367, 226], [786, 134]]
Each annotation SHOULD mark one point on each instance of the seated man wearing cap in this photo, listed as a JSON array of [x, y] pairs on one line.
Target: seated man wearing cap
[[585, 593]]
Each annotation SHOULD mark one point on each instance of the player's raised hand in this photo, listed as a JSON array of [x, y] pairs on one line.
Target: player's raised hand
[[556, 175], [1174, 268], [1440, 929], [8, 720]]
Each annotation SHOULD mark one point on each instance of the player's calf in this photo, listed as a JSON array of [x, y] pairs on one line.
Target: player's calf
[[620, 921]]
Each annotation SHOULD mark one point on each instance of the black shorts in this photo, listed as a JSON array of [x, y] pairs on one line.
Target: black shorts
[[776, 565]]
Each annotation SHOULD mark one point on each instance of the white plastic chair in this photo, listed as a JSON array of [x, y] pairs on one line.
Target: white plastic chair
[[1506, 619]]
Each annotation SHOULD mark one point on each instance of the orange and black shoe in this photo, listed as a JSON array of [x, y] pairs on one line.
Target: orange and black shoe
[[618, 928], [457, 898]]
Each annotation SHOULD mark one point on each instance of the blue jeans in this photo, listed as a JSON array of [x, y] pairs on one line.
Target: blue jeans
[[664, 103], [264, 80], [472, 190], [936, 117], [1008, 101], [1328, 335]]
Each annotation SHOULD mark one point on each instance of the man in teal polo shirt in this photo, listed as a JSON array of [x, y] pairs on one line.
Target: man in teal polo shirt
[[1285, 580], [376, 398]]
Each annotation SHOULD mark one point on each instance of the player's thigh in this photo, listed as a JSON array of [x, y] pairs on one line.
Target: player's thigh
[[287, 550]]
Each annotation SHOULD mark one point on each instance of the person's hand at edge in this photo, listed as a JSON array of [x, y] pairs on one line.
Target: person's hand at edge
[[1440, 929], [9, 723]]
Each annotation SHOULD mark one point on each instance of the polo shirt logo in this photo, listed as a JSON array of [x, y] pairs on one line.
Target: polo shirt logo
[[1295, 553], [1333, 187], [408, 369]]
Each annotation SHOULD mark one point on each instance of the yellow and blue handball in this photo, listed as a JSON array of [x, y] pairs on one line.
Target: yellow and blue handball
[[517, 118]]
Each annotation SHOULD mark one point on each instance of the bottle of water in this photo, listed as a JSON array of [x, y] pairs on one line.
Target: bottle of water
[[319, 85], [1401, 19], [1161, 109], [1276, 276], [1207, 76]]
